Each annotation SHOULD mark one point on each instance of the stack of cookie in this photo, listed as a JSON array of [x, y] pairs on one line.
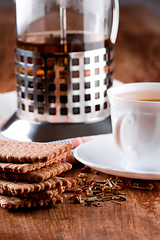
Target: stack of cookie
[[29, 173]]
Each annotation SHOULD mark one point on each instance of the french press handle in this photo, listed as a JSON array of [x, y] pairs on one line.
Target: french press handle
[[115, 21]]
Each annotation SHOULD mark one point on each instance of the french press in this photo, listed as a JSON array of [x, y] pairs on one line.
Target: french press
[[64, 66]]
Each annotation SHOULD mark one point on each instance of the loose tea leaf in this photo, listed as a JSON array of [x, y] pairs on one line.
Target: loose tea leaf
[[91, 192], [132, 183]]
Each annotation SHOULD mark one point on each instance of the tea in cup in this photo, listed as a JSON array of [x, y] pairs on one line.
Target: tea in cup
[[135, 115]]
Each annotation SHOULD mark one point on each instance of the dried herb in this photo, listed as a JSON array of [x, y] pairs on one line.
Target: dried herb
[[77, 199], [94, 192], [132, 183]]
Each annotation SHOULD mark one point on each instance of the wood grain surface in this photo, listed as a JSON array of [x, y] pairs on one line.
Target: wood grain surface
[[137, 58], [136, 218]]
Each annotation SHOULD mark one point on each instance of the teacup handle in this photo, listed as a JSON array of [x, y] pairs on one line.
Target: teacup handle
[[129, 118], [115, 22]]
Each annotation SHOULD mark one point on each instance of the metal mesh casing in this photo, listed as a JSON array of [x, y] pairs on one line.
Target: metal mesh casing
[[69, 88]]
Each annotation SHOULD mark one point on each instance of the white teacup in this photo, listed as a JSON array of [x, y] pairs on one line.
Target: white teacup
[[135, 115]]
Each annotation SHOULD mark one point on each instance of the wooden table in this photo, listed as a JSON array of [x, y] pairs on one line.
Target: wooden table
[[137, 58]]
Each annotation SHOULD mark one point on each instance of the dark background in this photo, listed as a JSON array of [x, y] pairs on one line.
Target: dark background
[[153, 5]]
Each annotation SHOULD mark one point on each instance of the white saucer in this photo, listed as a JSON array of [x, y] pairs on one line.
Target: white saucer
[[102, 154]]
